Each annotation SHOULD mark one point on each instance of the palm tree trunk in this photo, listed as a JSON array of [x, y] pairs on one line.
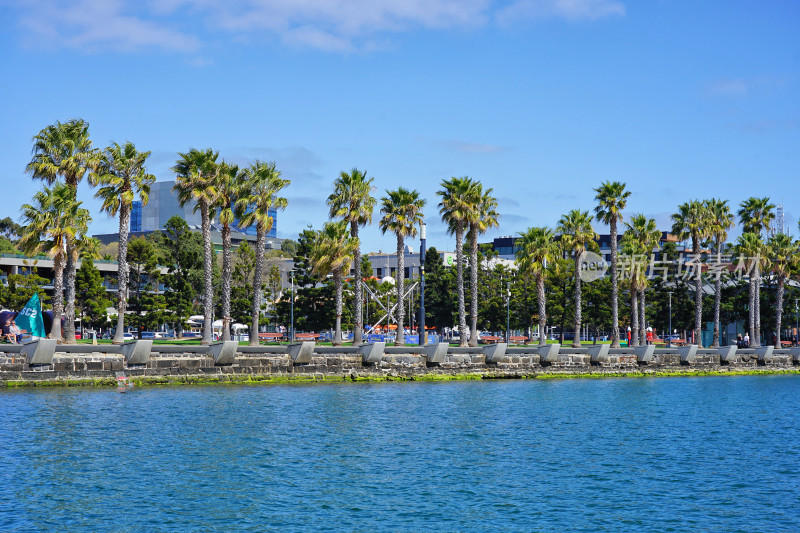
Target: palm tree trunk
[[358, 324], [576, 342], [226, 282], [473, 287], [255, 309], [634, 340], [779, 312], [542, 310], [58, 298], [462, 320], [337, 287], [698, 298], [642, 320], [717, 298], [122, 271], [614, 287], [69, 294], [757, 315], [208, 280], [751, 312], [401, 261]]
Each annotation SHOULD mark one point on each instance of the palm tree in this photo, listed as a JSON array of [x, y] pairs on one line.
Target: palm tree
[[352, 202], [456, 210], [756, 215], [332, 252], [691, 220], [402, 212], [751, 245], [720, 220], [121, 176], [257, 197], [64, 150], [577, 232], [49, 223], [485, 216], [89, 248], [229, 179], [644, 236], [537, 247], [196, 181], [611, 200], [783, 256]]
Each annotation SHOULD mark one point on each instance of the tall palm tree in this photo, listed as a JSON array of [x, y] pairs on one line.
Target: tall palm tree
[[611, 199], [577, 232], [691, 220], [49, 223], [645, 234], [333, 250], [484, 216], [456, 209], [258, 195], [64, 150], [537, 247], [751, 245], [401, 212], [352, 202], [196, 173], [783, 257], [720, 220], [756, 214], [121, 176], [229, 179]]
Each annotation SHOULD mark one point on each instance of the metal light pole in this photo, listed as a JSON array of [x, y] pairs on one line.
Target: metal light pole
[[796, 330], [423, 334], [508, 310], [291, 329], [669, 335]]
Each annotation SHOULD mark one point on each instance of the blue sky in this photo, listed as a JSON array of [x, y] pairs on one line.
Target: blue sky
[[541, 100]]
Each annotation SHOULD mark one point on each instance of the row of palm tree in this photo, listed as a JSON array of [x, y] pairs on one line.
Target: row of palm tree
[[228, 192], [465, 206], [706, 223], [55, 223]]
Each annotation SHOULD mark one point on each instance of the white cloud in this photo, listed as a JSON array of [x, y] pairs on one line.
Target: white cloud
[[728, 87], [96, 25], [335, 25], [567, 9]]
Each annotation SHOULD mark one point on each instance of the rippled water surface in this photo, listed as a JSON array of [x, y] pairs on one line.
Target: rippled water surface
[[665, 454]]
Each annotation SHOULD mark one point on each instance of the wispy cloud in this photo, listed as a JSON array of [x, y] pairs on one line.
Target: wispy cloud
[[471, 147], [740, 87], [97, 25], [332, 25], [566, 9]]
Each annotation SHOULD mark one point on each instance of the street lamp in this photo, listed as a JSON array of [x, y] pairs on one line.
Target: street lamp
[[423, 335], [669, 335], [508, 309]]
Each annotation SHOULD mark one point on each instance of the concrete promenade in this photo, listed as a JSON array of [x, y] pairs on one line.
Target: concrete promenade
[[48, 364]]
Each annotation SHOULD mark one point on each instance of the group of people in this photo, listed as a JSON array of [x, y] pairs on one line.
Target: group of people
[[11, 331], [743, 342]]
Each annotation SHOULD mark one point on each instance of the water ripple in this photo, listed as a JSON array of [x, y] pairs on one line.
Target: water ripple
[[580, 455]]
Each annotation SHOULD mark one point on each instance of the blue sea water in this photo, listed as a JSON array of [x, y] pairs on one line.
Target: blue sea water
[[656, 454]]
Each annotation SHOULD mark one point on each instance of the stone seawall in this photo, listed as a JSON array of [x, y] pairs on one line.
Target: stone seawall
[[144, 363]]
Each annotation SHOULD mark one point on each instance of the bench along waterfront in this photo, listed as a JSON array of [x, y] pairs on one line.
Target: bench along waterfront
[[45, 363]]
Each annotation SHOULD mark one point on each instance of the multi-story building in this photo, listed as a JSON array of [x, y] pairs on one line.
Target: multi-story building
[[163, 204]]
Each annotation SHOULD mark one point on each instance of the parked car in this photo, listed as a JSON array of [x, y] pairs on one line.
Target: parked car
[[128, 336]]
